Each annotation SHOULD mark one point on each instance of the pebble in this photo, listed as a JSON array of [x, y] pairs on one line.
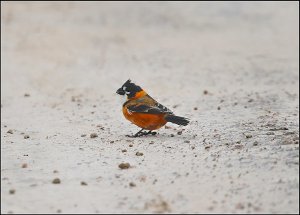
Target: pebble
[[83, 183], [131, 184], [248, 135], [24, 165], [238, 146], [139, 154], [207, 147], [12, 191], [240, 206], [56, 181], [93, 135], [10, 131], [124, 165], [26, 136]]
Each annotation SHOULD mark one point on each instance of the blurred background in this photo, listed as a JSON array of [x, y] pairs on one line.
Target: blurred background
[[231, 67], [53, 46]]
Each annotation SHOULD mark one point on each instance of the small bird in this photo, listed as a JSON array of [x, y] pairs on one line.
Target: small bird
[[143, 111]]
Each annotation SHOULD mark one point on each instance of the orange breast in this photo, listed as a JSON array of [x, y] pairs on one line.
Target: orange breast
[[144, 120]]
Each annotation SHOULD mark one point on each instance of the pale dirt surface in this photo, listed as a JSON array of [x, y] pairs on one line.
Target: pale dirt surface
[[242, 157]]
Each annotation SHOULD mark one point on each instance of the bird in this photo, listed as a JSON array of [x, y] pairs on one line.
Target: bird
[[144, 111]]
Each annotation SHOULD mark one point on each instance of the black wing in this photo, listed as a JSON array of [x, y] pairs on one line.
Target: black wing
[[158, 108]]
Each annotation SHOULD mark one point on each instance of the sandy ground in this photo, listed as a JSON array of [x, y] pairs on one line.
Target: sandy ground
[[232, 68]]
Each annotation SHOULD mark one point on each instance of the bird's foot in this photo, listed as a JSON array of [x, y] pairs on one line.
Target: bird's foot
[[140, 133]]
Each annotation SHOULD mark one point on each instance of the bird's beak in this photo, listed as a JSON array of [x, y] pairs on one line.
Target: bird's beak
[[121, 92]]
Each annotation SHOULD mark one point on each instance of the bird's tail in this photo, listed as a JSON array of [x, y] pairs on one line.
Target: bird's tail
[[177, 120]]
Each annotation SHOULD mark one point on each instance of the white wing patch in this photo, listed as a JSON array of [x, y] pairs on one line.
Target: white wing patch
[[165, 109], [128, 111]]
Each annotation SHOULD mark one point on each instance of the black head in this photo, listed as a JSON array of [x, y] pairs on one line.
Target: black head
[[129, 89]]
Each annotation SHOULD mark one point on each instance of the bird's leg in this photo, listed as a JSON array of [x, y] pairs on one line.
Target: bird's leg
[[146, 133], [141, 133], [138, 134], [151, 132]]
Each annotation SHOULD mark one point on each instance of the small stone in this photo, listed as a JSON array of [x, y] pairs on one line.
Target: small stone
[[255, 143], [207, 147], [219, 108], [124, 165], [131, 184], [124, 150], [83, 135], [205, 92], [248, 136], [172, 135], [93, 135], [12, 191], [55, 171], [10, 131], [270, 133], [26, 136], [56, 181], [186, 141], [26, 95], [238, 146], [151, 142], [279, 129], [193, 147], [179, 132], [83, 183], [195, 108], [240, 206], [250, 100], [24, 165], [139, 154], [130, 145], [112, 141]]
